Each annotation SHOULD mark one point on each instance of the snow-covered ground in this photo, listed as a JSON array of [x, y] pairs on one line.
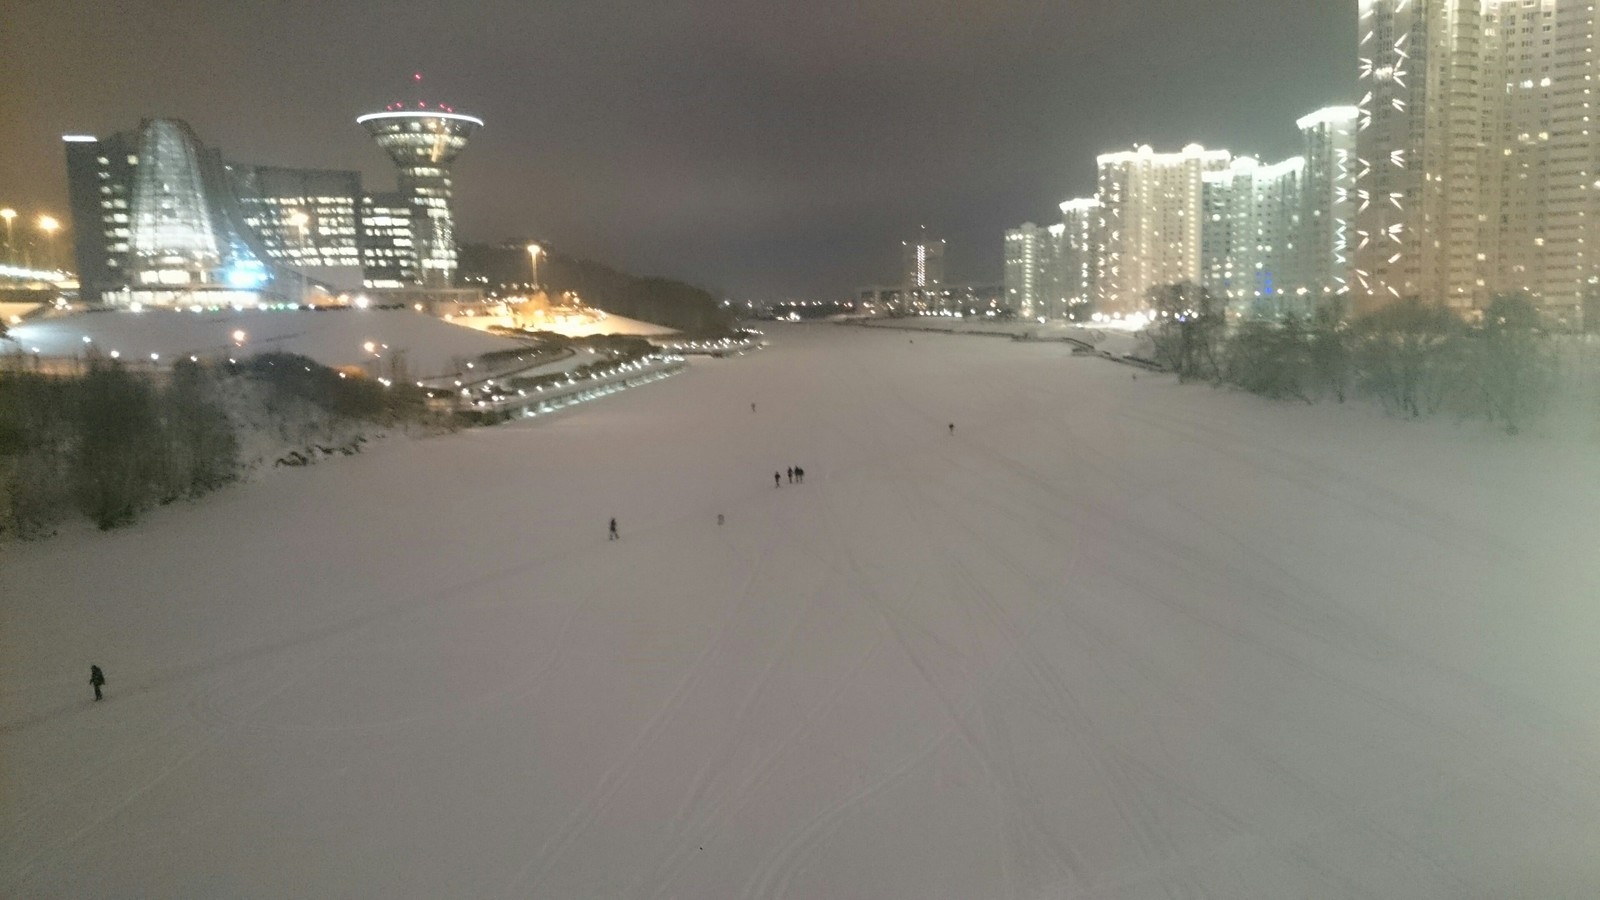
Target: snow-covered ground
[[1112, 638], [331, 337]]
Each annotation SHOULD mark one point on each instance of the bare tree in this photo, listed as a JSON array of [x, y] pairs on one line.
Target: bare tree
[[1187, 330]]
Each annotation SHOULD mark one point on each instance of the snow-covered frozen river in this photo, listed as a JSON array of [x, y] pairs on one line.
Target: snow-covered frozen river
[[1112, 638]]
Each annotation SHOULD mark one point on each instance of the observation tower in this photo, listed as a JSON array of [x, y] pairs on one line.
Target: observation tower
[[423, 139]]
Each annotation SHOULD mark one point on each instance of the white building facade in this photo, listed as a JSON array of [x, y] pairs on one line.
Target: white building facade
[[1150, 223], [1328, 203]]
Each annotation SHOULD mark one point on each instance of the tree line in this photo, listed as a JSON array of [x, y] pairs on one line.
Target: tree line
[[110, 443], [1415, 358]]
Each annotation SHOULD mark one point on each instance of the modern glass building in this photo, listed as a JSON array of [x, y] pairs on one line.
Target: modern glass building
[[423, 141], [157, 222], [309, 219]]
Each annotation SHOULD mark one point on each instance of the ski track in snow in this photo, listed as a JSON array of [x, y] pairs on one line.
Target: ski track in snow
[[1110, 639]]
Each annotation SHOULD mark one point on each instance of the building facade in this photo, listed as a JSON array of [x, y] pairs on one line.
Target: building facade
[[156, 221], [1150, 228], [308, 219], [1420, 130], [1252, 244], [922, 263], [1076, 261], [1032, 278], [1540, 64], [423, 142], [1328, 202]]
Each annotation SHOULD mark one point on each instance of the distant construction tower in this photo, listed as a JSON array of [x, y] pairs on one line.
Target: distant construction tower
[[423, 139]]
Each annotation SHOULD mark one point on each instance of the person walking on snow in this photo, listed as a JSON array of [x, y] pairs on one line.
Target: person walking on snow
[[614, 534], [777, 479], [96, 679], [799, 475], [791, 474], [952, 428]]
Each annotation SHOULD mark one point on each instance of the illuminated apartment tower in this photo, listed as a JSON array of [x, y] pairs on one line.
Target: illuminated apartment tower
[[1031, 279], [1419, 147], [1150, 233], [1075, 257], [1542, 153], [423, 140], [923, 263], [1328, 204], [1253, 257]]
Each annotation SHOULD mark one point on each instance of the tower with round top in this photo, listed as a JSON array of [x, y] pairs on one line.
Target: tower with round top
[[423, 139]]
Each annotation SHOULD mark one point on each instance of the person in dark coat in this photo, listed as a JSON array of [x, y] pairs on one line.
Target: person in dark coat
[[614, 534], [799, 475], [791, 474], [97, 678], [952, 428], [777, 479]]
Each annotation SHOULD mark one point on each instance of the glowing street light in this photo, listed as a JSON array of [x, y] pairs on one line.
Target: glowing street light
[[239, 337], [49, 226], [533, 254]]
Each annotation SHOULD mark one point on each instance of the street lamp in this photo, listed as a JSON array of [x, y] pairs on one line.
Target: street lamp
[[49, 226], [11, 248], [533, 254]]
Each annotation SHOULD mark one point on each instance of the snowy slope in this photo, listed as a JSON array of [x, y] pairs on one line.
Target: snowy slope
[[1111, 639], [331, 337]]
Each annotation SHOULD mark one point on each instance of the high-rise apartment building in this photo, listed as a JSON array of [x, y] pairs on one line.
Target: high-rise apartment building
[[1031, 275], [1418, 185], [1252, 247], [1150, 231], [1075, 256], [1328, 202], [1477, 156], [1541, 161], [922, 263]]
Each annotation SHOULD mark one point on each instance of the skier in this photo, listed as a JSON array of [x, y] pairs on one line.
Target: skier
[[777, 479], [614, 534], [791, 474], [96, 679]]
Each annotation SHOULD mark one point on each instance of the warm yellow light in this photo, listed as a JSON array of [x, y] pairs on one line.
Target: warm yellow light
[[535, 249], [8, 214], [299, 219], [48, 224], [370, 347]]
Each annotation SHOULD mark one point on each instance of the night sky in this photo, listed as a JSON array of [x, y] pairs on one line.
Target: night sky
[[758, 148]]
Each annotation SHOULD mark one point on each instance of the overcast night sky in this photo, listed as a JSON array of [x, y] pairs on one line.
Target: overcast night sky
[[757, 148]]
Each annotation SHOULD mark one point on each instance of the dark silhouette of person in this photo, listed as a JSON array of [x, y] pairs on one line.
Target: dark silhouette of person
[[791, 474], [96, 679], [719, 518], [614, 534], [952, 428], [777, 479], [799, 474], [752, 407]]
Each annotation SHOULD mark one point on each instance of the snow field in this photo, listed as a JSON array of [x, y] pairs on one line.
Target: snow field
[[1112, 638]]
